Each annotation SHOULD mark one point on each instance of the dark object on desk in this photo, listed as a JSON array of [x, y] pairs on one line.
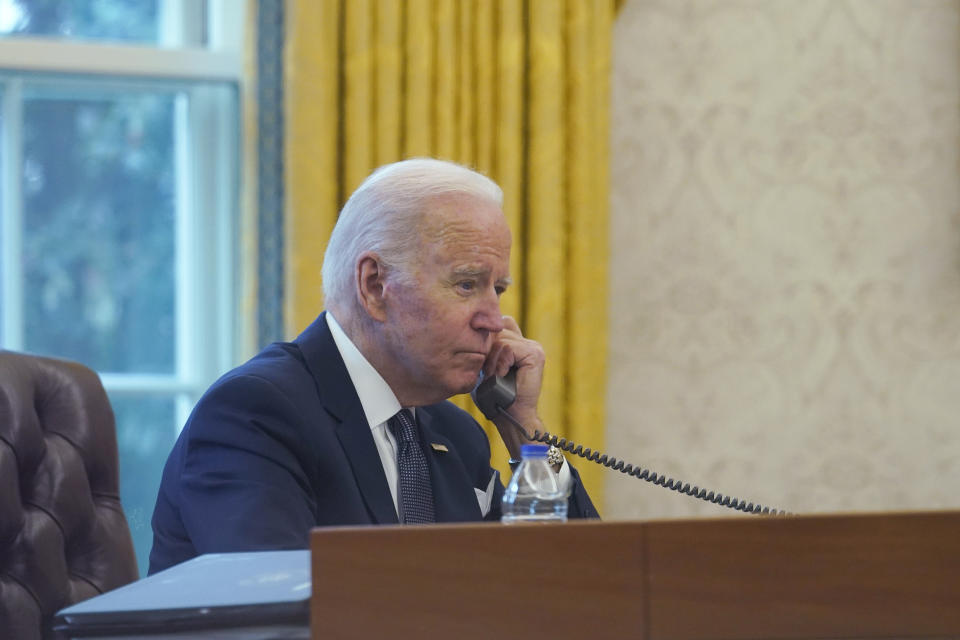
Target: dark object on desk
[[262, 594], [63, 535]]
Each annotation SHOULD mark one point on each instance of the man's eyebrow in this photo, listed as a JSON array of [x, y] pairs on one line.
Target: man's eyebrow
[[468, 271], [479, 272]]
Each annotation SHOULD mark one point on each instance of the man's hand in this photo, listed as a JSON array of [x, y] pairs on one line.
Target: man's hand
[[511, 349]]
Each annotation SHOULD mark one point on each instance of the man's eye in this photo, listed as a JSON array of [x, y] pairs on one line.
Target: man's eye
[[500, 291], [467, 285]]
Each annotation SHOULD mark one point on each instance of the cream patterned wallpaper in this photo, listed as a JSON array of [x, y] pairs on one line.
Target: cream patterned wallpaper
[[785, 269]]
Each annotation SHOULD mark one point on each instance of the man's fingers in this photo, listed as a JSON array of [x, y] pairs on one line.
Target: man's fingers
[[505, 361], [512, 349], [499, 360], [491, 367]]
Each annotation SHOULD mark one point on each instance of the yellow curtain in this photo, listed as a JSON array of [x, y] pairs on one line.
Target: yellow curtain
[[518, 90]]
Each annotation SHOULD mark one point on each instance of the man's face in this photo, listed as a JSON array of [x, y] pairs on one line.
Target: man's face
[[440, 329]]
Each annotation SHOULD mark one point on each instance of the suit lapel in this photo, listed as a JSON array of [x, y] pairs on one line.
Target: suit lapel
[[357, 441], [340, 399], [453, 496]]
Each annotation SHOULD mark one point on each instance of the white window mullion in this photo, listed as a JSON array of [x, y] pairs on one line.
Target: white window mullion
[[145, 384], [188, 358], [11, 233], [225, 25], [227, 204], [215, 148], [36, 54], [182, 23]]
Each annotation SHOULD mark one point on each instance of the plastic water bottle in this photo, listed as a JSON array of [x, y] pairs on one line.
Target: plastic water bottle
[[534, 493]]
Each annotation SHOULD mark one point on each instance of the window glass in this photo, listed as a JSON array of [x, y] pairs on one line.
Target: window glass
[[145, 434], [98, 223], [118, 205], [118, 20]]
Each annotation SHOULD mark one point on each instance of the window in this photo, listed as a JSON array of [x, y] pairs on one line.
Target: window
[[118, 191]]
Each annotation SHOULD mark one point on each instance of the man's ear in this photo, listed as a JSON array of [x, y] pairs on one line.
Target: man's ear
[[370, 279]]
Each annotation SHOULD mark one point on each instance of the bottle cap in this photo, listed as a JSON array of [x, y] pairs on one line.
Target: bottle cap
[[534, 450]]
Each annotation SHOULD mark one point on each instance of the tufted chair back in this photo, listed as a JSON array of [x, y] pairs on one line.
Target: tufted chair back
[[63, 535]]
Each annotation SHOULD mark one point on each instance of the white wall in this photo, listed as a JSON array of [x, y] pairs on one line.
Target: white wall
[[785, 269]]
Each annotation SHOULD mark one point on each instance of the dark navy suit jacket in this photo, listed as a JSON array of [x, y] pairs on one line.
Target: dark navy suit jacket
[[281, 444]]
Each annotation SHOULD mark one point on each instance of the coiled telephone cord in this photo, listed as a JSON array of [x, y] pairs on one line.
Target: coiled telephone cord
[[644, 474]]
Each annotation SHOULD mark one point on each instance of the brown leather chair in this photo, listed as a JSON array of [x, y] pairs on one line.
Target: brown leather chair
[[63, 535]]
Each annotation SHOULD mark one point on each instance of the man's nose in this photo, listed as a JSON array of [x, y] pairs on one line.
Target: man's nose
[[488, 316]]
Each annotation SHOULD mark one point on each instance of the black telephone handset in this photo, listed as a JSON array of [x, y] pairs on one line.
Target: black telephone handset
[[494, 394]]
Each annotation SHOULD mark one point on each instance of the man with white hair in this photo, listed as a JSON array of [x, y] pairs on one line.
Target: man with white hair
[[349, 423]]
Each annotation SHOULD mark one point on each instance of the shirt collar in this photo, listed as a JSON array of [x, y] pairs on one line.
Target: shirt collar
[[376, 397]]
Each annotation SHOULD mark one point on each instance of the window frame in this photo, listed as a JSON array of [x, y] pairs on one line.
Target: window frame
[[210, 327]]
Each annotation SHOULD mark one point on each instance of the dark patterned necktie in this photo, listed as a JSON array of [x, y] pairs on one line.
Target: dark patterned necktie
[[416, 495]]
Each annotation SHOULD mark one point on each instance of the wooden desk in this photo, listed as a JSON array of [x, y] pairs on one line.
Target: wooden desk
[[893, 575]]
